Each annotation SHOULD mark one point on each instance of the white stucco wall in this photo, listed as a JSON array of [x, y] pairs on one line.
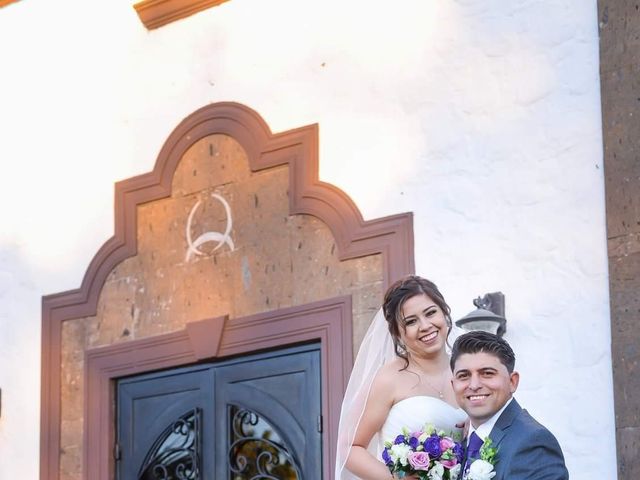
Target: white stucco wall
[[480, 116]]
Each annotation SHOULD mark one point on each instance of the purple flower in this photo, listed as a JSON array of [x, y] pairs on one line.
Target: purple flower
[[399, 440], [458, 452], [414, 442], [432, 446], [386, 457]]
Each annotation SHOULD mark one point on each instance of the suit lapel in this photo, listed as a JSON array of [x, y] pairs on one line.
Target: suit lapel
[[504, 422], [499, 430]]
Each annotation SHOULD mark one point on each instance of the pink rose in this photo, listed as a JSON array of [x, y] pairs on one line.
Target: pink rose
[[419, 460], [446, 443], [449, 463]]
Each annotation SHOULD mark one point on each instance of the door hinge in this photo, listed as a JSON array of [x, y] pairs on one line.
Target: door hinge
[[117, 452], [319, 424]]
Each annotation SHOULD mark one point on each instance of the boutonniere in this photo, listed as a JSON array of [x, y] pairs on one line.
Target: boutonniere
[[482, 468]]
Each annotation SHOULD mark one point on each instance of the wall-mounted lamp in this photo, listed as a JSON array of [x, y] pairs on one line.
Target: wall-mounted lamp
[[489, 315]]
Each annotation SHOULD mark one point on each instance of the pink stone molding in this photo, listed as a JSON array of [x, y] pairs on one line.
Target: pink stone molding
[[391, 236]]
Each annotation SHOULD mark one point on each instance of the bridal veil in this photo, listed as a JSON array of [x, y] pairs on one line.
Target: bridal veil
[[376, 350]]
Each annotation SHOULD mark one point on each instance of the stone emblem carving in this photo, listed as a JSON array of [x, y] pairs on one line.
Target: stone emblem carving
[[224, 238]]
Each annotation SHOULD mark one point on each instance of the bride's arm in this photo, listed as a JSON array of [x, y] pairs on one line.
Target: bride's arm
[[360, 462]]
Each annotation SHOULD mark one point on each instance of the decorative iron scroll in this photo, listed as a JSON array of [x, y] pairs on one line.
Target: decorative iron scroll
[[257, 452], [176, 454]]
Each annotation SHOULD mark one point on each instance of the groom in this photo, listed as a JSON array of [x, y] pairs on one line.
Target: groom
[[484, 382]]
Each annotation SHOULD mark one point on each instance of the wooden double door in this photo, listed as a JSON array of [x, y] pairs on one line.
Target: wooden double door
[[254, 417]]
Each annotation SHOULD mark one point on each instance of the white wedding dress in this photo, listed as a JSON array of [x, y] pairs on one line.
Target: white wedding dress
[[415, 412]]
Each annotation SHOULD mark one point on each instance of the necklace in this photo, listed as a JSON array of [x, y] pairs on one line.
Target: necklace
[[439, 391]]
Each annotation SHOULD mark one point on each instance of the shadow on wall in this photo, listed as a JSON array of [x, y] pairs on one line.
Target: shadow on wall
[[19, 364]]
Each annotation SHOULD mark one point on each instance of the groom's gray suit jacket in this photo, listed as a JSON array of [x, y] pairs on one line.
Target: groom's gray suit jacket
[[526, 449]]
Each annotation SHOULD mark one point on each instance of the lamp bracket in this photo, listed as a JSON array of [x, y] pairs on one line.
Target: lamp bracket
[[494, 302]]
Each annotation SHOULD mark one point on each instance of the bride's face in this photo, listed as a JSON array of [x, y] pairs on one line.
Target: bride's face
[[423, 327]]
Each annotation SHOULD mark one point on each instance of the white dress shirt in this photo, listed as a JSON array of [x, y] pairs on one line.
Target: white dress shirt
[[484, 430]]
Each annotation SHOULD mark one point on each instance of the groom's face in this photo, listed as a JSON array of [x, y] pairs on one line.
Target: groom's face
[[482, 385]]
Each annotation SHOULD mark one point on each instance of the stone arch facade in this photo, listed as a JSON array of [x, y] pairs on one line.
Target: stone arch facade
[[280, 250]]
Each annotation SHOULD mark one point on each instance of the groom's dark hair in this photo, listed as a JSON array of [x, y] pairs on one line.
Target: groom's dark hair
[[479, 341]]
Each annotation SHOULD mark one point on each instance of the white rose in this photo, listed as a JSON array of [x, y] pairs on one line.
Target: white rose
[[423, 437], [454, 473], [436, 472], [481, 470], [401, 453]]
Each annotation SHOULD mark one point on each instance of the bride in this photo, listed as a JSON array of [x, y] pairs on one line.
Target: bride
[[401, 378]]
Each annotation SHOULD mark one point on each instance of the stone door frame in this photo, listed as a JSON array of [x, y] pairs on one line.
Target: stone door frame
[[328, 321], [391, 236]]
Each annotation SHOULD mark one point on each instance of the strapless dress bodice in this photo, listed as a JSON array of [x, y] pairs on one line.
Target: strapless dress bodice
[[415, 412]]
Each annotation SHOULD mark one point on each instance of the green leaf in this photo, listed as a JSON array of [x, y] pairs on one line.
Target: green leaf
[[488, 453]]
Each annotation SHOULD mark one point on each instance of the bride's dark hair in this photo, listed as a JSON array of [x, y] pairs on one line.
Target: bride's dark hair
[[400, 292]]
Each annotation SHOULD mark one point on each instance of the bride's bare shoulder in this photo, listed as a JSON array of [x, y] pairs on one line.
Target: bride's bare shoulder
[[388, 374], [385, 384]]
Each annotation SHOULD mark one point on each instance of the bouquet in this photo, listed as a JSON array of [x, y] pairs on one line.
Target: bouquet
[[428, 454]]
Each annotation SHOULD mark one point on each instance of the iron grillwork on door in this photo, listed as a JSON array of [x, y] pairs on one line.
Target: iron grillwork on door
[[176, 454], [244, 418], [256, 450]]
